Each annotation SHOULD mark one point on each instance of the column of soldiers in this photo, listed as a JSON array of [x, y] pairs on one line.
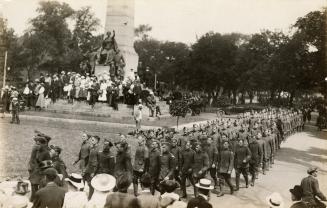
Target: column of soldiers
[[247, 144]]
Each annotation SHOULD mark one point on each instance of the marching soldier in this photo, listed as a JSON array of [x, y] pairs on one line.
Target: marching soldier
[[167, 164], [256, 155], [141, 161], [83, 156], [154, 165], [200, 165], [242, 158], [58, 163], [106, 159], [91, 167], [225, 167], [186, 163], [212, 152], [176, 151]]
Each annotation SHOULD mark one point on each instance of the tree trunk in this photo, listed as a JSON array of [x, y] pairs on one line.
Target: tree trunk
[[177, 122], [251, 95], [291, 97], [234, 96]]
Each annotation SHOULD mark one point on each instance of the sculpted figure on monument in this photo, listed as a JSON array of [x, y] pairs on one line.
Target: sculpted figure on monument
[[108, 48]]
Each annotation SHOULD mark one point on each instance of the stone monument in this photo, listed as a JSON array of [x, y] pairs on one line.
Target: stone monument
[[120, 18]]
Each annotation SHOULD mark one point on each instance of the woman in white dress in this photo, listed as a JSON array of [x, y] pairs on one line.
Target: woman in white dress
[[40, 103], [103, 89]]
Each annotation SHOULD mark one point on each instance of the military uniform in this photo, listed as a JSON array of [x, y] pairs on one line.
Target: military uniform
[[242, 158], [154, 168], [225, 167], [256, 158], [200, 166], [186, 162], [176, 151], [141, 161], [106, 162], [212, 152]]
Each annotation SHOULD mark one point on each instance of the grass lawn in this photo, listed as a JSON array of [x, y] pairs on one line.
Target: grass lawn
[[166, 121], [16, 142]]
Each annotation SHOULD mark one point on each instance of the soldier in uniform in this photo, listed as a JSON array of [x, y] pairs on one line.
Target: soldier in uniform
[[185, 163], [123, 160], [256, 155], [154, 165], [242, 158], [58, 163], [106, 159], [212, 152], [91, 167], [40, 152], [225, 167], [83, 156], [141, 162], [167, 165], [200, 165], [176, 151]]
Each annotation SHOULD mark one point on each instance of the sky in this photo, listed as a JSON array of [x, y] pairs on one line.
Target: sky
[[184, 20]]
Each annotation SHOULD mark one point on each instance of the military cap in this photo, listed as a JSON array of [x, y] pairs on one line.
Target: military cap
[[312, 170], [56, 148]]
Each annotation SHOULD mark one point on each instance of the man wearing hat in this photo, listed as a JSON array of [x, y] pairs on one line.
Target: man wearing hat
[[58, 163], [141, 161], [242, 158], [92, 164], [311, 191], [200, 165], [201, 200], [51, 195], [186, 162], [75, 187], [106, 157], [256, 155], [167, 164], [15, 110], [297, 193], [154, 165], [176, 151], [40, 152]]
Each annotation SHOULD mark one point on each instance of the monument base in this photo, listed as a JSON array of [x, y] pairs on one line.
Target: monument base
[[100, 69], [131, 60]]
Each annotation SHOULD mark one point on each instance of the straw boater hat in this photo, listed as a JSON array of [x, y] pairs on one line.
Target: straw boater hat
[[275, 200], [76, 180], [204, 184], [103, 182]]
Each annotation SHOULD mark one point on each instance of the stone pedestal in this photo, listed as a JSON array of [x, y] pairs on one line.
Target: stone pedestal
[[100, 69], [120, 17]]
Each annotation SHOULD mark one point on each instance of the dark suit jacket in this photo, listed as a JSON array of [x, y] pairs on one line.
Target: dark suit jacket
[[51, 196], [198, 202]]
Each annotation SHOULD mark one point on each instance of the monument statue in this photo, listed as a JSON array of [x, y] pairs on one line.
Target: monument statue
[[117, 54]]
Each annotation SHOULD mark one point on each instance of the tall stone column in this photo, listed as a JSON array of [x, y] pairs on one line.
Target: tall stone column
[[120, 17]]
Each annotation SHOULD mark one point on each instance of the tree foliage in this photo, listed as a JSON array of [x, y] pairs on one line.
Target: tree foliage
[[178, 108]]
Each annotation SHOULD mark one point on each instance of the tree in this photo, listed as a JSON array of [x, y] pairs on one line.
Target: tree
[[142, 31], [85, 25], [178, 108], [50, 29], [165, 59]]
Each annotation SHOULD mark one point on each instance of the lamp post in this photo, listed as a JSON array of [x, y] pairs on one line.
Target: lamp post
[[5, 70]]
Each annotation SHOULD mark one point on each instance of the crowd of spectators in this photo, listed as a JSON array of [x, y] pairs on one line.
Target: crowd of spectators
[[75, 87]]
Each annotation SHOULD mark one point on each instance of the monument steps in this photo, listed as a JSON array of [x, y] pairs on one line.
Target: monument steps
[[103, 110]]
